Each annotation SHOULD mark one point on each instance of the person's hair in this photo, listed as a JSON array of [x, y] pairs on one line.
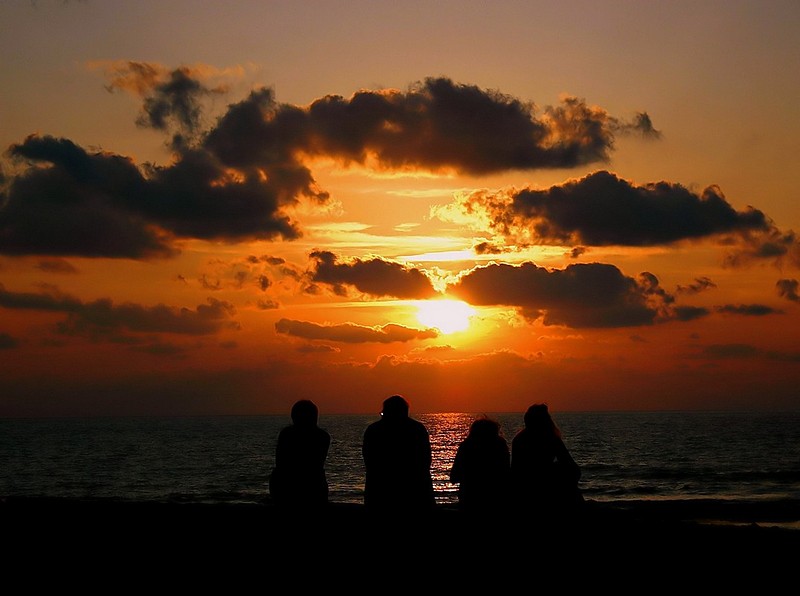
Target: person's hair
[[305, 413], [538, 419], [395, 406], [484, 427]]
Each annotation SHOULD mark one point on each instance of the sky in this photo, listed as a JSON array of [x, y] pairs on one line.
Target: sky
[[224, 207]]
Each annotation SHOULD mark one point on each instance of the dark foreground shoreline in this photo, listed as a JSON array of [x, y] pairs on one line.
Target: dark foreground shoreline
[[710, 541]]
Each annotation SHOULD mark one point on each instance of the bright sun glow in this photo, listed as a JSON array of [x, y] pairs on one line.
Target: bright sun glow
[[448, 316]]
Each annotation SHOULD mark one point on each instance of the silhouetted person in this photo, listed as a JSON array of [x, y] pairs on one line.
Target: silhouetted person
[[544, 474], [482, 469], [397, 460], [298, 479]]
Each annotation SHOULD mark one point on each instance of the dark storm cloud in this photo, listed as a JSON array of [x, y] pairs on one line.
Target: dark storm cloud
[[787, 288], [351, 333], [603, 210], [376, 277], [103, 316], [580, 295]]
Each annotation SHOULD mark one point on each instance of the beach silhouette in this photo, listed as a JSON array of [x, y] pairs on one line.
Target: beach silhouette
[[482, 468], [544, 475], [397, 461], [298, 478]]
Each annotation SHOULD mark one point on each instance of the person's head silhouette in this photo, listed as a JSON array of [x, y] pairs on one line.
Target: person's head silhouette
[[305, 413], [395, 408], [484, 429], [537, 419]]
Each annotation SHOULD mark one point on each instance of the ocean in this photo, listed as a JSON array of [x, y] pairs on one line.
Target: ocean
[[227, 459]]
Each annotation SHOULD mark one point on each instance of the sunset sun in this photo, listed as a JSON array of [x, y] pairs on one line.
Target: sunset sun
[[448, 316]]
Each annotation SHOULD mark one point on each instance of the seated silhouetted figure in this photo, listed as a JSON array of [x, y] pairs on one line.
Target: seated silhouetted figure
[[544, 475], [482, 469], [298, 479], [397, 461]]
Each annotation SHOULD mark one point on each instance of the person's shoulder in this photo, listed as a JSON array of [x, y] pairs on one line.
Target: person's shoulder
[[418, 424], [372, 426]]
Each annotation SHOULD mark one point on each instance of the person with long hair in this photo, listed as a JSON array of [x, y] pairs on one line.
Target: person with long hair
[[298, 478], [544, 474], [482, 468]]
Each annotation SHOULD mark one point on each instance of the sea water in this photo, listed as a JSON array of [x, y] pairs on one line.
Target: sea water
[[223, 459]]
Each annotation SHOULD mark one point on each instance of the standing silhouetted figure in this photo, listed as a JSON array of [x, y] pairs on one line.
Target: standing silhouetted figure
[[482, 468], [544, 474], [397, 460], [298, 479]]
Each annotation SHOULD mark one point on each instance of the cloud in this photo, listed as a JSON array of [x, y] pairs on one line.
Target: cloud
[[689, 313], [71, 202], [77, 203], [50, 299], [234, 181], [351, 333], [770, 245], [747, 309], [700, 284], [317, 349], [438, 124], [56, 266], [172, 99], [267, 304], [787, 288], [104, 318], [376, 276], [601, 209], [731, 351], [580, 295]]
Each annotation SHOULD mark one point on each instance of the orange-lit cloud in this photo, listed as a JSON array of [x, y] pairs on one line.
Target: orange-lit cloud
[[102, 317], [602, 209], [351, 333], [581, 295], [235, 181]]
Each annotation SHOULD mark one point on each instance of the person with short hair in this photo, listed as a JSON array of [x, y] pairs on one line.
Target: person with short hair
[[397, 460]]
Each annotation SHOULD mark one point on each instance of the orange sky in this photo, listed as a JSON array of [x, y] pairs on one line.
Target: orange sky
[[229, 212]]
